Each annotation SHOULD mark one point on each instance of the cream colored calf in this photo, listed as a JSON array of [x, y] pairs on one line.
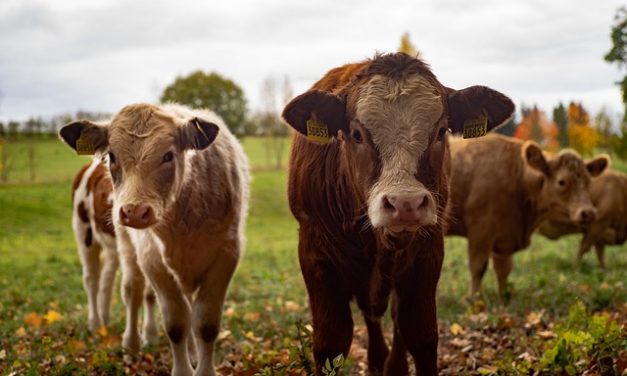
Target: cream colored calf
[[180, 189]]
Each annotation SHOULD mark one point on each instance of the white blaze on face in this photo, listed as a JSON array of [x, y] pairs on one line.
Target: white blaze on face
[[400, 115]]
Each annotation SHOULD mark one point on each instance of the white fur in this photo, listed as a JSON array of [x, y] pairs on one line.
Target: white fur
[[400, 116]]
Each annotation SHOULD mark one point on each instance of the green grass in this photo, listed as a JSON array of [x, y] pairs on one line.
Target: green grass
[[266, 307]]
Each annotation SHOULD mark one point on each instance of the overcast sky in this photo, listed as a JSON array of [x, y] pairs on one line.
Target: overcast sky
[[99, 55]]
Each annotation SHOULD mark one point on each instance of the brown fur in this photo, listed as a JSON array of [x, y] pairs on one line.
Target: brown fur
[[609, 195], [501, 189], [341, 255]]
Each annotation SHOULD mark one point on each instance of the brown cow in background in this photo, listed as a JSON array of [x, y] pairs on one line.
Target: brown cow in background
[[368, 184], [503, 188], [608, 192]]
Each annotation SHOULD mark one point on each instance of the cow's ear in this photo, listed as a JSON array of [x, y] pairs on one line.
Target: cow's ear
[[597, 165], [316, 114], [198, 134], [85, 137], [535, 158], [475, 110]]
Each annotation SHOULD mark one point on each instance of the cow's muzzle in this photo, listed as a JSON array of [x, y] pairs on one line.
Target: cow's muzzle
[[137, 216]]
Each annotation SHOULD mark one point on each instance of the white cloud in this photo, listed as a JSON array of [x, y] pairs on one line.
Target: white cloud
[[66, 55]]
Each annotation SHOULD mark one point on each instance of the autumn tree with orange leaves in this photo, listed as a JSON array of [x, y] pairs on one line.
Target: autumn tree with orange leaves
[[536, 126], [581, 135]]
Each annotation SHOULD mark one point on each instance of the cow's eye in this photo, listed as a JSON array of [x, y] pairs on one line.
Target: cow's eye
[[111, 158], [441, 133], [561, 183], [167, 157], [356, 135]]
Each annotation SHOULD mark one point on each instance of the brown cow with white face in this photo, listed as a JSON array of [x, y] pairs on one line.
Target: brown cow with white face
[[368, 184], [503, 188], [180, 188]]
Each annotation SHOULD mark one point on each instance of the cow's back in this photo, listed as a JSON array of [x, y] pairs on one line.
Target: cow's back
[[487, 187], [609, 195], [91, 198]]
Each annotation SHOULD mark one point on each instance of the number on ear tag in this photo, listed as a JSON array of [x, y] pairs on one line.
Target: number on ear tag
[[476, 127], [83, 147], [317, 131]]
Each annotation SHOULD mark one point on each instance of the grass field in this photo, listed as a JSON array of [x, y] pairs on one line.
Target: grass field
[[266, 330]]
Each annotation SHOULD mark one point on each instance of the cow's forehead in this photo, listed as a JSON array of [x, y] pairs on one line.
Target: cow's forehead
[[569, 163], [399, 113]]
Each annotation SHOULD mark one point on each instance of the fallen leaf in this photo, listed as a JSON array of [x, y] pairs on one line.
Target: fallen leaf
[[459, 342], [534, 318], [3, 354], [488, 354], [547, 334], [252, 316], [33, 320], [52, 316], [20, 332], [291, 306], [457, 329], [77, 346], [21, 349], [229, 312], [224, 334], [102, 331]]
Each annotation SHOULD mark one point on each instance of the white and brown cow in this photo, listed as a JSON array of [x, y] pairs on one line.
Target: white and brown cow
[[503, 188], [180, 189], [100, 249]]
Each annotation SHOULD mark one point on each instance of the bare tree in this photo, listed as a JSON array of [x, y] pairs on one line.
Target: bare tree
[[269, 124]]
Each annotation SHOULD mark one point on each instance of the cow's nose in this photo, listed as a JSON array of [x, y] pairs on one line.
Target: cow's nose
[[587, 215], [137, 216], [406, 208]]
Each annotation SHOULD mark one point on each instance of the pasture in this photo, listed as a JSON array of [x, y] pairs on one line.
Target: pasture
[[562, 319]]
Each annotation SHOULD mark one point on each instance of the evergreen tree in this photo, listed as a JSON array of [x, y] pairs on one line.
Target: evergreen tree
[[560, 118]]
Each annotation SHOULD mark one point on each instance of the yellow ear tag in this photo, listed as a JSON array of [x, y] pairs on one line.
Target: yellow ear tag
[[83, 147], [476, 127], [317, 131]]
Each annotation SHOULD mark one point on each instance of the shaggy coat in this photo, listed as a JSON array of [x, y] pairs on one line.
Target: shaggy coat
[[368, 184]]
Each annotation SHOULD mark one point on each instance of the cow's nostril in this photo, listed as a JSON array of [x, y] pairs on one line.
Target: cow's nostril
[[422, 202], [123, 214], [387, 204], [145, 213], [587, 216]]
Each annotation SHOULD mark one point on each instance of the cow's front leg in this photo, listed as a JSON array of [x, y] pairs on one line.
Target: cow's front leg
[[416, 317], [133, 283], [502, 266], [89, 253], [331, 313], [478, 257], [175, 309], [150, 332], [396, 363], [207, 310]]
